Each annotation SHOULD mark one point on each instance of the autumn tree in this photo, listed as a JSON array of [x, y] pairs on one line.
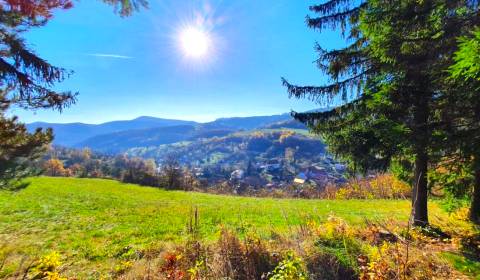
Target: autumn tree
[[171, 172], [188, 182], [54, 167]]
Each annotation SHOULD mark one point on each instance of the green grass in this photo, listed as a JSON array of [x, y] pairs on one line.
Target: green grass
[[463, 264], [91, 221]]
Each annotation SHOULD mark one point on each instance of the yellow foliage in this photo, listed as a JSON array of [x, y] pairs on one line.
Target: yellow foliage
[[377, 253], [123, 266], [381, 186], [332, 228], [378, 266], [54, 276], [462, 214], [284, 135], [46, 267], [258, 134]]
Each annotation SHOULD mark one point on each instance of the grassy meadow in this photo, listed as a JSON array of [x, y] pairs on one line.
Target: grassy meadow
[[90, 222]]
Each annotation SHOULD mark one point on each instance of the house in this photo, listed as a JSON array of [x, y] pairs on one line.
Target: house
[[301, 178], [198, 171], [237, 175], [299, 181]]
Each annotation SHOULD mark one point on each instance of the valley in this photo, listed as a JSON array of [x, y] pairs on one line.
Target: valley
[[261, 152]]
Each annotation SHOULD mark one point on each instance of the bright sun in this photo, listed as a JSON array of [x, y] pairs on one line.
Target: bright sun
[[194, 42]]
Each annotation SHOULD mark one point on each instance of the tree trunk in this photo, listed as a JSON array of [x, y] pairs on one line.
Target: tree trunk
[[475, 207], [419, 215]]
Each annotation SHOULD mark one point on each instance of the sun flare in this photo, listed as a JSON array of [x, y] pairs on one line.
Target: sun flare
[[194, 42]]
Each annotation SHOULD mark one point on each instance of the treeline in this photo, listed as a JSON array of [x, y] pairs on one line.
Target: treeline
[[170, 175], [66, 162]]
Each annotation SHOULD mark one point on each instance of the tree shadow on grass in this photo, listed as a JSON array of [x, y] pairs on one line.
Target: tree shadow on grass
[[471, 247], [15, 186]]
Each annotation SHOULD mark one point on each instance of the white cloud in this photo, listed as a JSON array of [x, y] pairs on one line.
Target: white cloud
[[109, 55]]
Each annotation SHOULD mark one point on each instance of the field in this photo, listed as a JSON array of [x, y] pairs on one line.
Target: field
[[90, 221]]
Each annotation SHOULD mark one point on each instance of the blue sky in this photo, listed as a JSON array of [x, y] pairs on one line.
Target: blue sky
[[130, 67]]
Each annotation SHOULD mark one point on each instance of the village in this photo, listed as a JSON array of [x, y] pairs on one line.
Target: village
[[254, 160], [278, 174]]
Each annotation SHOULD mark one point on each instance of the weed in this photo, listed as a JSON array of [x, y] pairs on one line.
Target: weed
[[171, 267], [290, 268], [46, 267]]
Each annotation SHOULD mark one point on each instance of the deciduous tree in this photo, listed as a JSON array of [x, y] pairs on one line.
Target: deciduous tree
[[54, 167]]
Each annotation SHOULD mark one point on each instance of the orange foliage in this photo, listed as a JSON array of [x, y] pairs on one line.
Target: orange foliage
[[54, 167], [171, 267]]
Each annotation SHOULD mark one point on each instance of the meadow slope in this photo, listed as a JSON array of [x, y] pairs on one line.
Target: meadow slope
[[90, 221]]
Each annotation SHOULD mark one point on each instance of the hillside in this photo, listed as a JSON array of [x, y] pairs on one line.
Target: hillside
[[146, 131], [69, 134], [100, 228], [237, 147], [267, 156], [91, 220], [119, 142]]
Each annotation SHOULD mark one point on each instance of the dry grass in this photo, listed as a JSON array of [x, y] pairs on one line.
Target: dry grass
[[330, 250]]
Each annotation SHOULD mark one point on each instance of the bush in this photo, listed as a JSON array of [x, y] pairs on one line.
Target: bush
[[336, 241], [290, 268], [46, 267], [242, 260], [381, 186]]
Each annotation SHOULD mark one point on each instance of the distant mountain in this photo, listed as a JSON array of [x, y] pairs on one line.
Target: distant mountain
[[248, 123], [118, 142], [69, 134], [118, 136], [290, 124]]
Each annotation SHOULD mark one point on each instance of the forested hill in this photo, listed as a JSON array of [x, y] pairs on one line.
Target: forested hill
[[69, 134], [118, 136], [119, 142]]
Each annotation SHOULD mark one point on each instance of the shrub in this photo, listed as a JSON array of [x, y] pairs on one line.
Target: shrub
[[381, 186], [242, 260], [290, 268], [337, 246], [46, 267], [171, 267], [323, 265]]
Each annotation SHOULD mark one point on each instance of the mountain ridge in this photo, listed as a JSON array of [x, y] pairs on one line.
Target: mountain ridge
[[68, 134], [80, 134]]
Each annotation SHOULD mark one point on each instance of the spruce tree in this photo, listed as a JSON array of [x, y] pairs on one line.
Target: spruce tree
[[18, 149], [462, 119], [388, 81]]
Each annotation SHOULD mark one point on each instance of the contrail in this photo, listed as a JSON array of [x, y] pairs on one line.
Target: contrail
[[108, 55]]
